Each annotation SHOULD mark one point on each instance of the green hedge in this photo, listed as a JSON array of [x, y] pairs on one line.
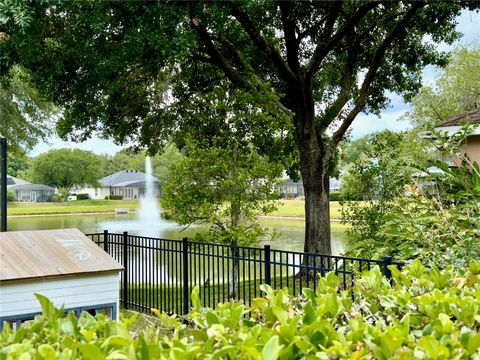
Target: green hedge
[[114, 197], [427, 314], [345, 197], [83, 196]]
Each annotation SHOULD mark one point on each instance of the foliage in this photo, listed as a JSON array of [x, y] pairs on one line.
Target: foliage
[[136, 161], [222, 187], [114, 197], [379, 176], [227, 176], [440, 224], [426, 314], [456, 90], [17, 163], [343, 197], [57, 198], [435, 219], [83, 196], [11, 195], [65, 169], [24, 113], [125, 68]]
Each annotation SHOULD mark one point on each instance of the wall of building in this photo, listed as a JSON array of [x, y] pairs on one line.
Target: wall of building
[[472, 148], [74, 291], [94, 193], [34, 195]]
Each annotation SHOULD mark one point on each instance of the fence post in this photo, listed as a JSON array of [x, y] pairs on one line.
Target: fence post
[[387, 260], [268, 277], [185, 276], [105, 240], [3, 184], [125, 272]]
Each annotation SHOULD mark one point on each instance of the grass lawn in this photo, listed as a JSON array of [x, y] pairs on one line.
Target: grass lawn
[[69, 207], [297, 208], [286, 207]]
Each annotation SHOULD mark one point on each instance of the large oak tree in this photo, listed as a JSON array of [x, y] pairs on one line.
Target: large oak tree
[[120, 68]]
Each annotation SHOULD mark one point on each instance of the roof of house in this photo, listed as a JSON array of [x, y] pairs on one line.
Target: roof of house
[[12, 181], [472, 117], [51, 253], [32, 187], [19, 184], [125, 178]]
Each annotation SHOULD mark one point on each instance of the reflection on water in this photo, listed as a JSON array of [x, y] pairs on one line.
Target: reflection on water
[[290, 232]]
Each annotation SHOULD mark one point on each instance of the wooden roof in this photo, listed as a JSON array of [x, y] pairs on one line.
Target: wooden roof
[[472, 117], [51, 253]]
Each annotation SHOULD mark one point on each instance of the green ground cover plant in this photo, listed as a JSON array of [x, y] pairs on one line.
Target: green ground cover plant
[[423, 314]]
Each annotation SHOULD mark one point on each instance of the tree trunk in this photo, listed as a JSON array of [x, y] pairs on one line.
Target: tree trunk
[[317, 213], [315, 162]]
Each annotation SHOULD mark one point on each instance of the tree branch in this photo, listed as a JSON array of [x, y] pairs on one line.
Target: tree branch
[[369, 77], [322, 50], [215, 54], [220, 61], [347, 82], [235, 55], [291, 43], [285, 71]]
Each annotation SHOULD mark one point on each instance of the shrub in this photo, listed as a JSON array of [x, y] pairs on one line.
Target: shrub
[[346, 196], [11, 195], [57, 198], [114, 197], [427, 314], [83, 196]]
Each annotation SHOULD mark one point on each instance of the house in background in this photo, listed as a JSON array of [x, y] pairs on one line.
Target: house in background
[[472, 145], [27, 192], [130, 184], [290, 188]]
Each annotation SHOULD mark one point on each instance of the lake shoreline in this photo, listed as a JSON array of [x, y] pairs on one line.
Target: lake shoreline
[[284, 217]]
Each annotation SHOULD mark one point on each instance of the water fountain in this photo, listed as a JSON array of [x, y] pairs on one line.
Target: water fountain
[[149, 212], [147, 221]]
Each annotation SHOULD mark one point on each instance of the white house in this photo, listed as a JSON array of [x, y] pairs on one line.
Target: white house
[[63, 265], [130, 184], [27, 192]]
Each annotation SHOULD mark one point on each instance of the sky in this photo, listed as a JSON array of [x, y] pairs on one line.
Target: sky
[[468, 25]]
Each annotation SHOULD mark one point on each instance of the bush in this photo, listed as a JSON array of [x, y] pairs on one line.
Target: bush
[[114, 197], [83, 196], [427, 314], [345, 197], [11, 195], [57, 198]]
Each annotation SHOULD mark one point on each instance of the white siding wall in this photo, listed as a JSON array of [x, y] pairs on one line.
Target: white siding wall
[[76, 291], [97, 194]]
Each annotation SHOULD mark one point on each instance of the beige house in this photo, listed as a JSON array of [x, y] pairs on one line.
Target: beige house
[[472, 145]]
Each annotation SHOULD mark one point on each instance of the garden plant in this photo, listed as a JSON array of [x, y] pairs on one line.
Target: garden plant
[[424, 313]]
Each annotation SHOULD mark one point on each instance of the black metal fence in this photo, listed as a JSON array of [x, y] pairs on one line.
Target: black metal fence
[[3, 184], [161, 273]]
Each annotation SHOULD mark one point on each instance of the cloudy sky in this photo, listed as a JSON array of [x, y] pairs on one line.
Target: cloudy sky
[[468, 24]]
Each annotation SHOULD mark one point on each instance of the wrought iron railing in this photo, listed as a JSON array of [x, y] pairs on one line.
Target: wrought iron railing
[[161, 273]]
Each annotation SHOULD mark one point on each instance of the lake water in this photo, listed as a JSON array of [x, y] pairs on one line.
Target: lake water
[[290, 232]]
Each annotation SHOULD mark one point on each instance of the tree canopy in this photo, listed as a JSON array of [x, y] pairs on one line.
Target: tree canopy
[[227, 177], [123, 68], [454, 92], [66, 169], [24, 113]]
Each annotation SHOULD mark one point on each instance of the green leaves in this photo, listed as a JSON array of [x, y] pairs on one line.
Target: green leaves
[[271, 349], [415, 319]]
